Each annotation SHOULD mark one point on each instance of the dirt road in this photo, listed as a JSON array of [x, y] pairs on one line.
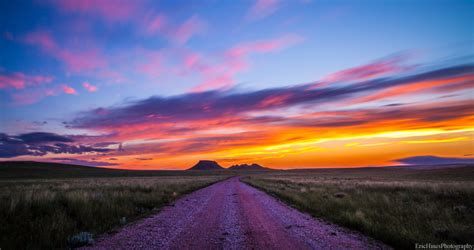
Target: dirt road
[[233, 215]]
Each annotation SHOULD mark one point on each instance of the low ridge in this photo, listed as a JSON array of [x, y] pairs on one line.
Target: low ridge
[[253, 166]]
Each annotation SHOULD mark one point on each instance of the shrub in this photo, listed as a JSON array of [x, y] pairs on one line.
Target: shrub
[[80, 239]]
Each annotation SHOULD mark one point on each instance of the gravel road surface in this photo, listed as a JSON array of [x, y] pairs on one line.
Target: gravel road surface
[[233, 215]]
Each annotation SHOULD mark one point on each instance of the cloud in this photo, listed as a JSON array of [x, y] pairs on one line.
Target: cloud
[[279, 121], [263, 46], [389, 65], [438, 112], [196, 144], [75, 60], [23, 124], [182, 33], [233, 61], [109, 10], [80, 61], [223, 80], [69, 90], [217, 104], [41, 143], [153, 63], [434, 160], [31, 96], [191, 60], [89, 87], [42, 137], [143, 159], [442, 85], [274, 121], [261, 9], [155, 24], [19, 80], [85, 162], [42, 39]]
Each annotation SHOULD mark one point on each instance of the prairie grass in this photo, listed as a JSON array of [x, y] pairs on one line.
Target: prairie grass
[[43, 214], [399, 208]]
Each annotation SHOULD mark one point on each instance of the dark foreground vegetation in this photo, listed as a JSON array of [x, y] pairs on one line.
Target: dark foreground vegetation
[[399, 206], [48, 213]]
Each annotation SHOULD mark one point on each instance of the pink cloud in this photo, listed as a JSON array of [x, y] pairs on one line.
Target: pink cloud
[[216, 74], [89, 87], [32, 95], [110, 10], [185, 31], [191, 60], [112, 75], [153, 65], [42, 39], [220, 81], [262, 9], [28, 96], [263, 46], [234, 60], [15, 80], [155, 24], [378, 68], [19, 80], [79, 26], [69, 90], [76, 61]]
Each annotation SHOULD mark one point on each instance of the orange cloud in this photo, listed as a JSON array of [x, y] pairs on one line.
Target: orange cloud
[[69, 90]]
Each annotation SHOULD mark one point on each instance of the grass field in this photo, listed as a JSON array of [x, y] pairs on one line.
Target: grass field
[[45, 213], [399, 206], [43, 205]]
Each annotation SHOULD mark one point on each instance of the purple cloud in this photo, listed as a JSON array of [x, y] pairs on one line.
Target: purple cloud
[[40, 143], [85, 162], [42, 137], [434, 160], [216, 104]]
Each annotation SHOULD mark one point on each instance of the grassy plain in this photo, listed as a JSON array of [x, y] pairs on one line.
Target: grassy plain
[[42, 205], [44, 213], [398, 206]]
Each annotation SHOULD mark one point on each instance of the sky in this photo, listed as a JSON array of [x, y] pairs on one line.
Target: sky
[[283, 83]]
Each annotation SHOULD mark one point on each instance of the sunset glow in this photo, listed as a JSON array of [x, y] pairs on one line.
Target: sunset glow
[[287, 84]]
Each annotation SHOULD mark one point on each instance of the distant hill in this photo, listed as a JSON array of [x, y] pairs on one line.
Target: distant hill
[[31, 169], [207, 165], [253, 166], [10, 170]]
